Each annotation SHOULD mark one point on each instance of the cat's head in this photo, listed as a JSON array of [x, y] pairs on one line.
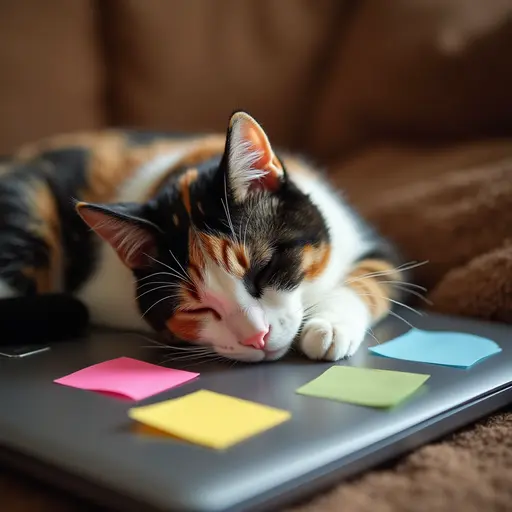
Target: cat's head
[[222, 253]]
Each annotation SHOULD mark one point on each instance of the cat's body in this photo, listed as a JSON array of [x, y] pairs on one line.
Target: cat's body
[[224, 244]]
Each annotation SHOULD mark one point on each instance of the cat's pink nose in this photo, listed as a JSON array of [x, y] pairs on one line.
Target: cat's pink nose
[[256, 341]]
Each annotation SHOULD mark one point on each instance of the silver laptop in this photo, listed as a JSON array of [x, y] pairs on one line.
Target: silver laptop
[[83, 441]]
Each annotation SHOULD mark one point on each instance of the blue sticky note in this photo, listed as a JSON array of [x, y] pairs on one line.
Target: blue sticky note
[[446, 348]]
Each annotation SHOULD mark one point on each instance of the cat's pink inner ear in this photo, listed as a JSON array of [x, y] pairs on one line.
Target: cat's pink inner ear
[[253, 163], [132, 243]]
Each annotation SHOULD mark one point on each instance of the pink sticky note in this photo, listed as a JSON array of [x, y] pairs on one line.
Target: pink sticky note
[[127, 377]]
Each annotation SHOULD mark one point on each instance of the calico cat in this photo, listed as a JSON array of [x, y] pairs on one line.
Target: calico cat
[[216, 240]]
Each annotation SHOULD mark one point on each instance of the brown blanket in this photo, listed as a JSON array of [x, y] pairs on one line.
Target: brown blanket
[[452, 208]]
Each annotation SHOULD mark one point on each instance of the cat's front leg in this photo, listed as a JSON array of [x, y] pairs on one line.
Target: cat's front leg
[[336, 327], [338, 321]]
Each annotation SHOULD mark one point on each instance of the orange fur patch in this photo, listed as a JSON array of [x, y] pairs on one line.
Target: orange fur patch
[[199, 151], [372, 288], [195, 254], [184, 183], [46, 226], [236, 260], [204, 149], [212, 246], [41, 277], [113, 159], [315, 260], [184, 325], [233, 257], [189, 293]]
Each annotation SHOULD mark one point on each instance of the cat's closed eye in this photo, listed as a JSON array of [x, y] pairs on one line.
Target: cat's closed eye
[[266, 273], [203, 311]]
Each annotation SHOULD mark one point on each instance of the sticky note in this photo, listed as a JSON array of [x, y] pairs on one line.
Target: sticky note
[[456, 349], [210, 419], [364, 386], [127, 377]]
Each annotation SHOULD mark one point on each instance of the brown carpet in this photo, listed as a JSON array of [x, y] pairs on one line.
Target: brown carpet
[[452, 207], [471, 471]]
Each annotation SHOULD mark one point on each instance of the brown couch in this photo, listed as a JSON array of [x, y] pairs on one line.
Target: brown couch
[[407, 102]]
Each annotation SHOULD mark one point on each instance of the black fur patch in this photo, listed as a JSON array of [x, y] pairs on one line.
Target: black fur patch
[[63, 172]]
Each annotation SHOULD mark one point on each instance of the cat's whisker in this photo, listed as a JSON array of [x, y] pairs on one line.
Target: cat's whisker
[[149, 283], [185, 273], [371, 333], [226, 207], [217, 359], [405, 283], [396, 315], [186, 357], [397, 302], [247, 223], [194, 353], [190, 358], [187, 348], [155, 274], [401, 268], [168, 297], [166, 286], [175, 272], [412, 292], [151, 340], [171, 286], [240, 224]]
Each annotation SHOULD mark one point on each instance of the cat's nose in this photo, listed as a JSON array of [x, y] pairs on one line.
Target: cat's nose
[[256, 341]]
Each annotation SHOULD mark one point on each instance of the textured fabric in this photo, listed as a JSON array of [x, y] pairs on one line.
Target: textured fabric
[[51, 70], [421, 69], [186, 65], [451, 207], [327, 76], [470, 471]]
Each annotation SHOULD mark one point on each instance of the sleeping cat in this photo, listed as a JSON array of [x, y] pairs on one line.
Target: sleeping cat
[[215, 240]]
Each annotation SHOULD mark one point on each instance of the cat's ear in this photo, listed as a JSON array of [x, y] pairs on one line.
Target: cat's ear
[[251, 163], [122, 227]]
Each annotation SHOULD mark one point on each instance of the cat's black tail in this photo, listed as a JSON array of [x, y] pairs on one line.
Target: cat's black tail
[[41, 319]]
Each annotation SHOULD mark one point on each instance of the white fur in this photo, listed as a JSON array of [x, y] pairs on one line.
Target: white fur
[[340, 318], [243, 315]]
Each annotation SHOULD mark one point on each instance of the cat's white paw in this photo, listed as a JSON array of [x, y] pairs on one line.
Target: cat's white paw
[[330, 341]]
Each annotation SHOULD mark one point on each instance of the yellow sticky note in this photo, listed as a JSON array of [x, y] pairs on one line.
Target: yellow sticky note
[[210, 419]]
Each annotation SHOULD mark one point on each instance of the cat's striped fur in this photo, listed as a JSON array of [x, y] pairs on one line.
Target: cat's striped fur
[[216, 239]]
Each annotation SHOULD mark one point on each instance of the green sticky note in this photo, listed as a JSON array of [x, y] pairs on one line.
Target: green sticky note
[[364, 386]]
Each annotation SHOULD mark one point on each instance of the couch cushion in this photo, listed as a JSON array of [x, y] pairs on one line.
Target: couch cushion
[[419, 69], [187, 65], [449, 206], [51, 69]]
